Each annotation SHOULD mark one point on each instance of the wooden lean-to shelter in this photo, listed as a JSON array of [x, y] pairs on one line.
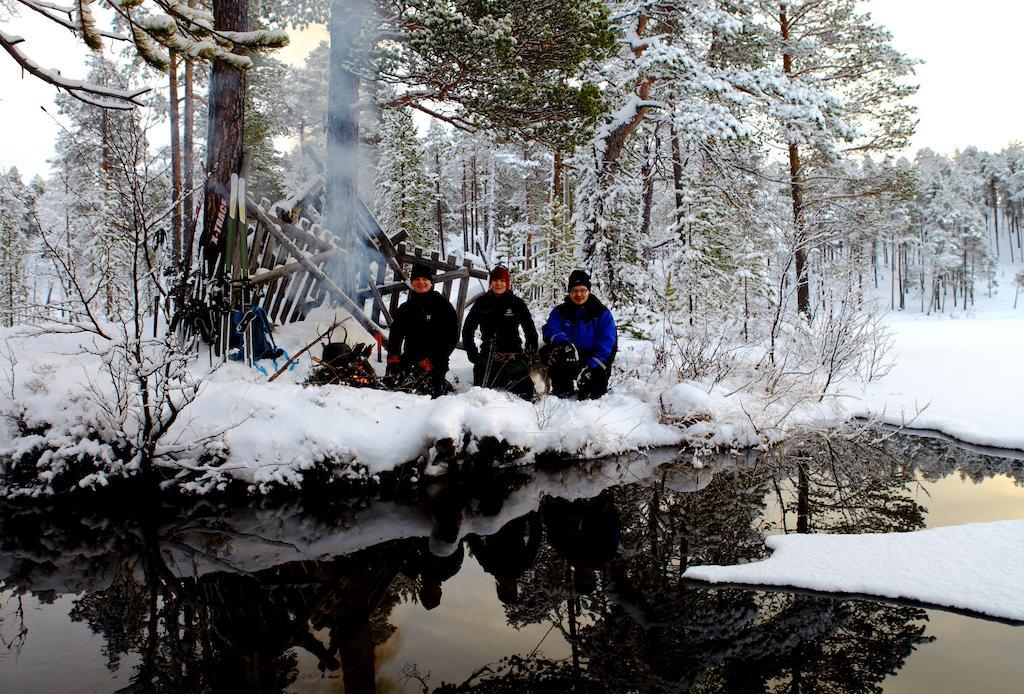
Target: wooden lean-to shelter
[[292, 262]]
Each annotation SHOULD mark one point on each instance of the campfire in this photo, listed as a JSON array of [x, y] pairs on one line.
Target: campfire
[[346, 366]]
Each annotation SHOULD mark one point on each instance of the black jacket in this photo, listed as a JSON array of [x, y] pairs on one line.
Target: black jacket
[[499, 317], [424, 326]]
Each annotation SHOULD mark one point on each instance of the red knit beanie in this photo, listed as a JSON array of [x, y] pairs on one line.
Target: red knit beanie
[[501, 273]]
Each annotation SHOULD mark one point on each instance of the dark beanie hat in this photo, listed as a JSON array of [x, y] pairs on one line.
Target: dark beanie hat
[[422, 271], [501, 273], [578, 277]]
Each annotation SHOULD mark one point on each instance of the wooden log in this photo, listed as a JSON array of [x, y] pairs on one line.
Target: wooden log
[[255, 250], [406, 257], [403, 286], [333, 289], [378, 300], [460, 309], [293, 232], [378, 240], [447, 291], [294, 266], [395, 296]]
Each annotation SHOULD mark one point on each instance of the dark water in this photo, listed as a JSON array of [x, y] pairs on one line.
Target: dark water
[[526, 581]]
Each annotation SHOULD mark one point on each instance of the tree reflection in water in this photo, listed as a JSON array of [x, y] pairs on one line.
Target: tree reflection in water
[[214, 598]]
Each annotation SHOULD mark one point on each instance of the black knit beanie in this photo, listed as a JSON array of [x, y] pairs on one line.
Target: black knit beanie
[[422, 271], [578, 277]]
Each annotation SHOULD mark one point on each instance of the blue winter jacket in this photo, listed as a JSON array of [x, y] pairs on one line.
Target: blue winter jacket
[[590, 327]]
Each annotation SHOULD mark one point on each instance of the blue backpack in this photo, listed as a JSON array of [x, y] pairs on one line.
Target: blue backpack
[[263, 345]]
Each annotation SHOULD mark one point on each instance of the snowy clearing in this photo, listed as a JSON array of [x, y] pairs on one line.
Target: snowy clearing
[[242, 428], [961, 377], [977, 566]]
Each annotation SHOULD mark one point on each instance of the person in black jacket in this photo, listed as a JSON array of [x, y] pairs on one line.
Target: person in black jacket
[[423, 334], [500, 362]]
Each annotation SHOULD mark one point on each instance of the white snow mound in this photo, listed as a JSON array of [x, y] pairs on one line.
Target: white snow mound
[[977, 566]]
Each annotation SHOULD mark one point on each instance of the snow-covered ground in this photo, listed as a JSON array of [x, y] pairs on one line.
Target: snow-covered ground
[[977, 566], [963, 377], [961, 373]]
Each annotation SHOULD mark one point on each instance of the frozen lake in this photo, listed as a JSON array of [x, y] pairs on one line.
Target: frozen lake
[[522, 580]]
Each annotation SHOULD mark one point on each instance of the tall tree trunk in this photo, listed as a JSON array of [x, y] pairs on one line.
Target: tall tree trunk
[[342, 175], [465, 207], [995, 211], [677, 181], [474, 210], [226, 114], [796, 191], [189, 141], [647, 176], [175, 161], [437, 200], [556, 179]]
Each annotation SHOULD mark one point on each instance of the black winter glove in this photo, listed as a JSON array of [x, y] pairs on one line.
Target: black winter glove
[[585, 377]]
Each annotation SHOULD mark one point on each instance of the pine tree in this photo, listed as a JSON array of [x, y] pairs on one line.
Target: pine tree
[[16, 205], [404, 194]]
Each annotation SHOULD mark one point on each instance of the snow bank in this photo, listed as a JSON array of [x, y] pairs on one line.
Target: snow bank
[[244, 428], [962, 377], [977, 567], [274, 430]]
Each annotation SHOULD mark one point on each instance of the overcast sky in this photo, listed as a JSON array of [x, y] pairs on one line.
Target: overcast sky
[[968, 96]]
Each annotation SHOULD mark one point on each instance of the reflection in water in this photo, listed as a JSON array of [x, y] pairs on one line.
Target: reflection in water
[[214, 598]]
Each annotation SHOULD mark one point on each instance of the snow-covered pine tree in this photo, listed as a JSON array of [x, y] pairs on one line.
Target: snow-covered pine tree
[[952, 223], [437, 152], [114, 189], [265, 121], [553, 259], [831, 51], [699, 67], [403, 191], [16, 203], [1012, 194]]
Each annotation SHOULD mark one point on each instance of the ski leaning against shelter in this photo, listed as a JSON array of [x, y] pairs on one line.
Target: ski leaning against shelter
[[500, 361], [424, 331], [580, 342]]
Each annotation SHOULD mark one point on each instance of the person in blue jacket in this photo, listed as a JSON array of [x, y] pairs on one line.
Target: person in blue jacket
[[580, 342]]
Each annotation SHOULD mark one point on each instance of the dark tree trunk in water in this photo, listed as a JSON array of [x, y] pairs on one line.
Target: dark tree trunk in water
[[342, 175], [226, 114]]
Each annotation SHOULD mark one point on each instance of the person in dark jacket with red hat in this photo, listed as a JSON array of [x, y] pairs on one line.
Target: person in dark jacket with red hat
[[500, 361], [581, 342], [424, 331]]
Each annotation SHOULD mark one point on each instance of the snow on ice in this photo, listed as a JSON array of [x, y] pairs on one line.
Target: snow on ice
[[977, 566], [961, 377]]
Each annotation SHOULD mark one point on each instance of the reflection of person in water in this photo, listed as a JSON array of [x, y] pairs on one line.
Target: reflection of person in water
[[508, 553], [585, 532], [438, 561], [440, 556]]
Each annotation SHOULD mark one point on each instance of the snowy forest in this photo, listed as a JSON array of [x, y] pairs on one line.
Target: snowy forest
[[727, 170]]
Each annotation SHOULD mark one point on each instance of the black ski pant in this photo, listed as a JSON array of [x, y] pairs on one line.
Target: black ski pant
[[563, 376]]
